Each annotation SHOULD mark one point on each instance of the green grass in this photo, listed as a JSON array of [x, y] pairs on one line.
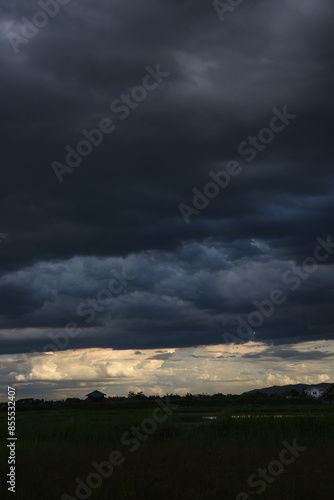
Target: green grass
[[283, 409], [185, 458]]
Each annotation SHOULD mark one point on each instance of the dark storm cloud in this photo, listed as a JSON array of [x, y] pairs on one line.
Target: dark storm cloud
[[290, 354], [122, 201], [164, 356]]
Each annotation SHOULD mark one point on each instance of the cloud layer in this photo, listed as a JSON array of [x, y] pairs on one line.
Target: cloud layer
[[216, 369], [118, 209]]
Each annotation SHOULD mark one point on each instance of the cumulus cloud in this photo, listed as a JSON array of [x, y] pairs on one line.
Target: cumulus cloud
[[119, 208], [210, 369]]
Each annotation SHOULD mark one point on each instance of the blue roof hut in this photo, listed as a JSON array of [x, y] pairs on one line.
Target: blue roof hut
[[95, 396]]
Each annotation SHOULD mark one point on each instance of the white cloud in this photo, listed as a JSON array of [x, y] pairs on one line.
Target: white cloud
[[207, 369]]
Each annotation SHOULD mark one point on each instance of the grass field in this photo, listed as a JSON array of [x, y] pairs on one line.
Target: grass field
[[185, 457]]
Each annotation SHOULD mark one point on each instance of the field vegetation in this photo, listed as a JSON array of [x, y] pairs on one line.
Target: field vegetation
[[185, 457]]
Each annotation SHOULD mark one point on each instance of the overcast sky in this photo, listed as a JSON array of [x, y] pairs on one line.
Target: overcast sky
[[166, 168]]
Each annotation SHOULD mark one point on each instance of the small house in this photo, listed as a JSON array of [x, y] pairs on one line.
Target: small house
[[315, 392], [95, 396]]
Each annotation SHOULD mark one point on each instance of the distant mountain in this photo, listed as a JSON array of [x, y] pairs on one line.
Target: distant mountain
[[282, 389]]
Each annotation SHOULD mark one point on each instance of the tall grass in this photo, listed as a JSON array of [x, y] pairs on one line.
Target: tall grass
[[183, 459]]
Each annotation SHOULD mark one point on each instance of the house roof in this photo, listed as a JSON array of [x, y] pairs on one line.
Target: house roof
[[95, 394]]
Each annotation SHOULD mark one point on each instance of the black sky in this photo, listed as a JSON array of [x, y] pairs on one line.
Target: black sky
[[119, 209]]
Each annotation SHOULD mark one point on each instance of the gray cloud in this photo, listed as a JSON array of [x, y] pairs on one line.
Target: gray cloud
[[120, 205]]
